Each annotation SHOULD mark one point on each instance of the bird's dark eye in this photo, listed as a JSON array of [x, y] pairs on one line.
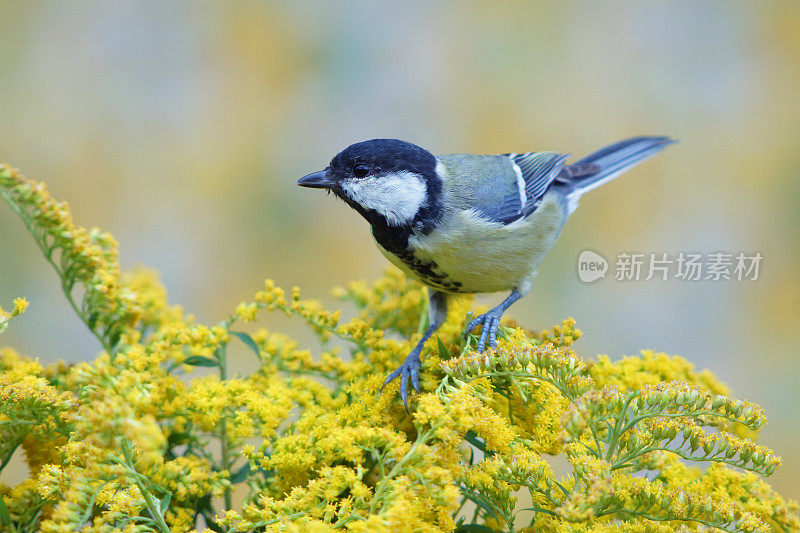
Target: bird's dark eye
[[360, 171]]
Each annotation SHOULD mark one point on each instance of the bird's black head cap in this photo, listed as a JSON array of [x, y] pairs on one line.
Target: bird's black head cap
[[383, 156], [357, 174]]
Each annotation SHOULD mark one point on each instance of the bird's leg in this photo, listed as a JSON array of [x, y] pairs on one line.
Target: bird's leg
[[491, 320], [437, 312]]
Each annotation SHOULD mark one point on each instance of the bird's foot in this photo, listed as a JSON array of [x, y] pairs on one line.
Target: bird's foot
[[490, 321], [409, 370]]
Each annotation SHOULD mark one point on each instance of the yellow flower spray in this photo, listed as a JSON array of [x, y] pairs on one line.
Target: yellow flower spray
[[133, 441]]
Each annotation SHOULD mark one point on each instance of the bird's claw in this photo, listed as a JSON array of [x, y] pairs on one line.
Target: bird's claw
[[490, 321], [408, 370]]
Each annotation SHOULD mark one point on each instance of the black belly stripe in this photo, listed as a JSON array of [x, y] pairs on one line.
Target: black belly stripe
[[395, 241], [429, 272]]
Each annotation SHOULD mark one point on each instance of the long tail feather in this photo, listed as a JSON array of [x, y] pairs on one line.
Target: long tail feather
[[613, 160]]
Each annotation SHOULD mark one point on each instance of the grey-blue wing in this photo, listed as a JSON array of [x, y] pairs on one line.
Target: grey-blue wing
[[505, 210], [538, 171], [506, 187]]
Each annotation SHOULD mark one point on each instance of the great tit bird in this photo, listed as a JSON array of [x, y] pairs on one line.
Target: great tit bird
[[463, 223]]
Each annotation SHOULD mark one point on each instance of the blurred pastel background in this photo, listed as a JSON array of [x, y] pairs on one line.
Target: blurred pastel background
[[181, 127]]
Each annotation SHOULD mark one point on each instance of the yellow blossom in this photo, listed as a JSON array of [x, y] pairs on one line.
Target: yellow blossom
[[308, 442]]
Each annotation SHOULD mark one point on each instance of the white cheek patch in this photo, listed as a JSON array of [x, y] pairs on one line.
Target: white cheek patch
[[396, 196]]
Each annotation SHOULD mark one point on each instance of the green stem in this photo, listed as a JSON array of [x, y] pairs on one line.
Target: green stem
[[697, 414], [665, 519], [381, 466], [421, 439], [619, 430], [265, 523], [615, 435], [507, 395], [48, 256], [138, 478], [521, 375], [346, 520], [464, 500], [10, 454], [226, 459], [90, 506], [151, 506], [540, 510], [716, 457]]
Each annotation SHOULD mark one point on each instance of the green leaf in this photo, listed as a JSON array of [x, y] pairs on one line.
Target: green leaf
[[472, 438], [486, 505], [176, 437], [113, 339], [164, 503], [444, 353], [248, 340], [199, 360], [424, 319], [473, 528], [5, 516], [241, 474], [205, 509], [504, 332]]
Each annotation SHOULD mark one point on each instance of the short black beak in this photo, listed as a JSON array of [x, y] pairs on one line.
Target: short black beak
[[317, 180]]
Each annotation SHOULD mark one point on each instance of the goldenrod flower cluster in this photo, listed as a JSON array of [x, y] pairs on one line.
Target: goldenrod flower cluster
[[155, 435]]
